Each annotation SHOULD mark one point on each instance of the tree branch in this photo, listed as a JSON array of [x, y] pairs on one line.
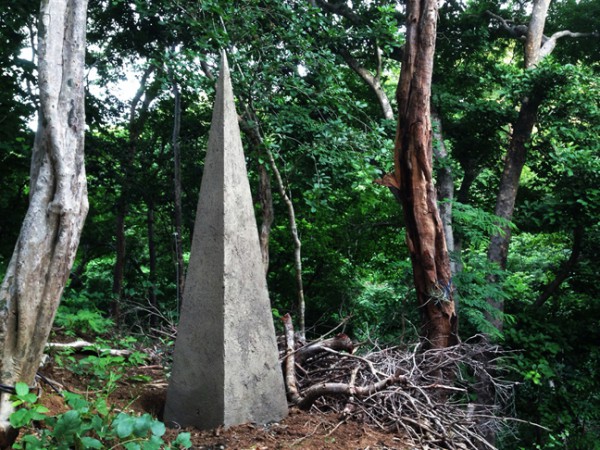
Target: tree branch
[[547, 45], [514, 31], [372, 80], [550, 42], [341, 9]]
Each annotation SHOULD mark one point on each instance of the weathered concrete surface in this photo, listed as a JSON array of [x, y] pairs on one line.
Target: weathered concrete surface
[[225, 368]]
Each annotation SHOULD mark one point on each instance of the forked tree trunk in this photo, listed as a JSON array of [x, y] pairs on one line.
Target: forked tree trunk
[[46, 248], [516, 155], [413, 174]]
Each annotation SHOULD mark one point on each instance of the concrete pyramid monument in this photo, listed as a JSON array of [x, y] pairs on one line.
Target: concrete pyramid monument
[[225, 369]]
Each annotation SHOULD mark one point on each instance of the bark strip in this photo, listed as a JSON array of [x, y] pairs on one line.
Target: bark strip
[[413, 175]]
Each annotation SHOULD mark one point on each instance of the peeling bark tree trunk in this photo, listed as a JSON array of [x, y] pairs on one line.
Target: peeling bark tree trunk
[[413, 175], [46, 248]]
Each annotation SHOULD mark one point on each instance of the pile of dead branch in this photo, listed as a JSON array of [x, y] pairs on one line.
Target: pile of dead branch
[[425, 395]]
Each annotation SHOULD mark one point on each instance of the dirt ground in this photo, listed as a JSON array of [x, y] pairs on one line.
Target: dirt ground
[[313, 430]]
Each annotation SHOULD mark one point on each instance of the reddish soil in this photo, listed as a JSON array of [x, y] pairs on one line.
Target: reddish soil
[[300, 430]]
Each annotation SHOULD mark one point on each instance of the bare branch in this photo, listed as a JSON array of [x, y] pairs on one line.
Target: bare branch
[[546, 45], [550, 42], [401, 389], [514, 31], [372, 80], [341, 9]]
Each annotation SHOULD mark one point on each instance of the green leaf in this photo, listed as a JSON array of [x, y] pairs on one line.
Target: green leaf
[[158, 428], [21, 389], [102, 407], [89, 442], [123, 425], [67, 425], [183, 440], [19, 418], [142, 425], [29, 398], [154, 443], [132, 446]]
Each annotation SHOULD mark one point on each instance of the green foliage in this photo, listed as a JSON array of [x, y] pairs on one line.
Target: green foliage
[[473, 289], [557, 357], [88, 424], [27, 409], [102, 369], [78, 314]]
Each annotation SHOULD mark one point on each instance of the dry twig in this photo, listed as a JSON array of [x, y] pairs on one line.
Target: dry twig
[[424, 394]]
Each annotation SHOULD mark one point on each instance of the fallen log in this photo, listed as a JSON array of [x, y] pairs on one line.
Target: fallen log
[[88, 347], [340, 342]]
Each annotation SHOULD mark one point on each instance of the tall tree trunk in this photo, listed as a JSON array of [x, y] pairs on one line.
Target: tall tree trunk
[[516, 156], [445, 189], [413, 174], [46, 248], [152, 258], [177, 188], [120, 254], [265, 195], [136, 124]]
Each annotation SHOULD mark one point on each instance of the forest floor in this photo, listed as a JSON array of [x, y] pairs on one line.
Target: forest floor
[[142, 389]]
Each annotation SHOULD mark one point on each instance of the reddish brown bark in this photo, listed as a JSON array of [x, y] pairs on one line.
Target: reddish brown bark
[[413, 174]]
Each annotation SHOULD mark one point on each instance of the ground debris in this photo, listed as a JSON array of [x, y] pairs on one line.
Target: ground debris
[[428, 396]]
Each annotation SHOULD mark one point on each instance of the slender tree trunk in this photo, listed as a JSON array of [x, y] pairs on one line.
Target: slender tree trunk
[[516, 156], [565, 270], [177, 186], [266, 203], [136, 124], [413, 174], [265, 192], [46, 248], [119, 268], [445, 189], [300, 304], [373, 81], [152, 258]]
